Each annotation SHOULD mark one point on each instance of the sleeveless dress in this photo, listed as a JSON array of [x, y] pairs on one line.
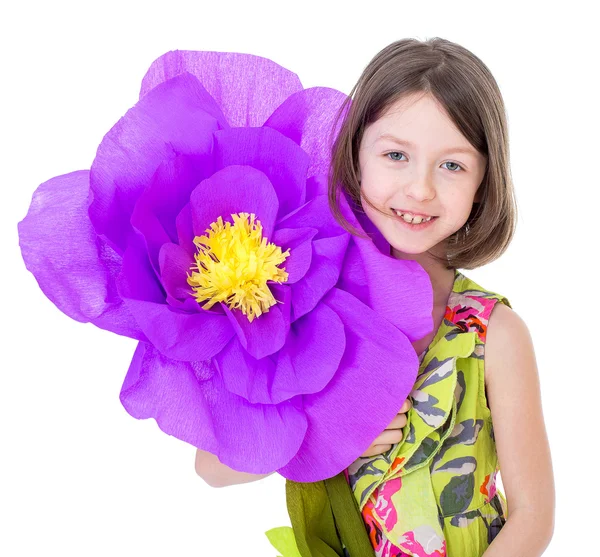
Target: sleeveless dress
[[434, 493]]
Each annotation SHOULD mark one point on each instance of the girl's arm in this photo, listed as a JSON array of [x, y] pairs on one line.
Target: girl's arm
[[217, 474], [513, 393]]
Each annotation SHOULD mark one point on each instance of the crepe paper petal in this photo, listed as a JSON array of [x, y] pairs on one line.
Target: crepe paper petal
[[308, 117], [406, 303], [167, 193], [170, 120], [174, 264], [267, 333], [311, 355], [244, 375], [358, 217], [185, 230], [74, 268], [343, 410], [313, 214], [178, 335], [265, 149], [182, 336], [316, 186], [189, 401], [137, 279], [305, 365], [324, 272], [234, 189], [299, 242], [248, 88]]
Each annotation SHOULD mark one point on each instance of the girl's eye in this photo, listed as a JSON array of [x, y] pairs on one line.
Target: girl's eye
[[456, 165], [395, 156]]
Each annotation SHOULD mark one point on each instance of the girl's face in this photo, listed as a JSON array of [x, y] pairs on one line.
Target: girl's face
[[414, 161]]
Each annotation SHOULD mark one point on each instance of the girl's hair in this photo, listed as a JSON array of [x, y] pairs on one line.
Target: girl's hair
[[465, 87]]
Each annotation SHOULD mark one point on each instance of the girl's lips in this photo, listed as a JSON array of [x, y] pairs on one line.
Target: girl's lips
[[411, 212], [415, 227]]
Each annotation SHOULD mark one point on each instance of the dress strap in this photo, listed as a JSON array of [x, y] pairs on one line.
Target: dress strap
[[470, 306]]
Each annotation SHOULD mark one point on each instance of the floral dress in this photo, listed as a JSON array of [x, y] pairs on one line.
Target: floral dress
[[434, 493]]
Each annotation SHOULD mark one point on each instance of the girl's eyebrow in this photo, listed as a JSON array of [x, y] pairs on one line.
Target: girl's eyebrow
[[388, 136]]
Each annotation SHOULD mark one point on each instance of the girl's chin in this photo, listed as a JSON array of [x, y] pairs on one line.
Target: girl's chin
[[416, 251], [407, 252]]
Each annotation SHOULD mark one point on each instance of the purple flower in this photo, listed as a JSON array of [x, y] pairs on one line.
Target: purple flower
[[268, 335]]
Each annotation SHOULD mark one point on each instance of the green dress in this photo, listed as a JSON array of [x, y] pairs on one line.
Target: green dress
[[434, 493]]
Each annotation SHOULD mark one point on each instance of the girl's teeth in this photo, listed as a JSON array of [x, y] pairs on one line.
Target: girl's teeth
[[413, 219]]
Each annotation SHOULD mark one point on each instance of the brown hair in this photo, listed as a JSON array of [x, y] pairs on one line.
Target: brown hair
[[465, 87]]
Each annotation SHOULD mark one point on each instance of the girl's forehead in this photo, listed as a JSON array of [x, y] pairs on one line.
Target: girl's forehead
[[417, 121], [416, 109]]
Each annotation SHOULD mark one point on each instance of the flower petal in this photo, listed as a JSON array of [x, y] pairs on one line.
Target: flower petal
[[267, 333], [314, 214], [185, 230], [299, 242], [189, 401], [398, 290], [182, 336], [172, 119], [327, 258], [175, 264], [248, 88], [178, 335], [75, 268], [267, 150], [315, 186], [138, 280], [234, 189], [308, 117], [376, 375], [306, 363], [169, 190]]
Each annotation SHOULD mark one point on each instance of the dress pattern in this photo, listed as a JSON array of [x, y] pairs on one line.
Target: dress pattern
[[434, 493]]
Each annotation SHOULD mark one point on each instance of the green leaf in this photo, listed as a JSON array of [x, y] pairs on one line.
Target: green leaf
[[283, 540]]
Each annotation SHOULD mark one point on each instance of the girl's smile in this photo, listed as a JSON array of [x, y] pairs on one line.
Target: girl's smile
[[413, 221]]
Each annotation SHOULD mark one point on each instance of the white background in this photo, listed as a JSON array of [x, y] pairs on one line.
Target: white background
[[79, 476]]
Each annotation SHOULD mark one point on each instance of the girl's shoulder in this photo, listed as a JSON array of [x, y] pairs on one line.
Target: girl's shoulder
[[506, 336], [508, 340]]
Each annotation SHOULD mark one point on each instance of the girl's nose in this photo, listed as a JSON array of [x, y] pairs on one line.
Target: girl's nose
[[420, 188]]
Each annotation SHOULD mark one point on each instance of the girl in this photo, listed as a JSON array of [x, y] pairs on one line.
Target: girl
[[423, 150]]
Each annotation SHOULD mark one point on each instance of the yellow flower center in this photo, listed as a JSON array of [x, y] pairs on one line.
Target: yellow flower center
[[233, 265]]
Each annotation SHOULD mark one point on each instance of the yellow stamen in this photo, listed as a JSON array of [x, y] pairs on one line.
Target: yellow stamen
[[234, 263]]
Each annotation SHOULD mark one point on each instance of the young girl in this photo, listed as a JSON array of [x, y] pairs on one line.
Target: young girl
[[424, 151]]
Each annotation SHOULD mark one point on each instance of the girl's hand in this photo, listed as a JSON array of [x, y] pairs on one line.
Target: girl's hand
[[391, 435]]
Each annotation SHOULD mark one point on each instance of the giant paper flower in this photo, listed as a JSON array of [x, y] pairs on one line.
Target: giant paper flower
[[268, 335]]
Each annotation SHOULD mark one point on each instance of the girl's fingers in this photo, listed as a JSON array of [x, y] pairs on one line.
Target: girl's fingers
[[399, 421], [376, 449], [405, 407], [392, 434], [389, 436]]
